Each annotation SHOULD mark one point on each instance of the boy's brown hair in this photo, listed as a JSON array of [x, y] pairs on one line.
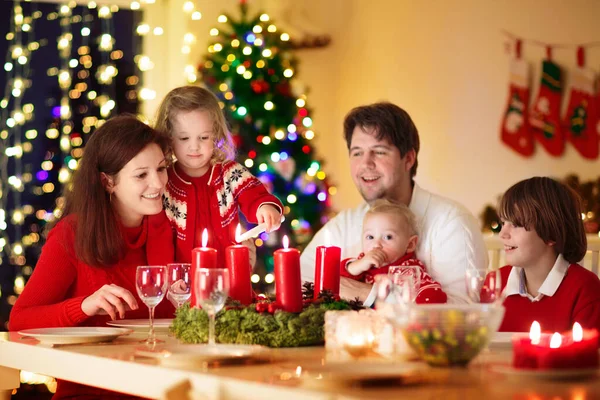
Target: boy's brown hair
[[384, 206], [550, 208], [196, 98]]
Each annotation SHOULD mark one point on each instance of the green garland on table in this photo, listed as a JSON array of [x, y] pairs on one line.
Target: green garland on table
[[245, 325]]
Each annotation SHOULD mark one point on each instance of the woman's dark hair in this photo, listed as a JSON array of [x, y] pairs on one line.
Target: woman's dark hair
[[109, 149]]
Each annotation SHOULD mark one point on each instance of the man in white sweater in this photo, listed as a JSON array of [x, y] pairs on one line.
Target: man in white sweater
[[383, 143]]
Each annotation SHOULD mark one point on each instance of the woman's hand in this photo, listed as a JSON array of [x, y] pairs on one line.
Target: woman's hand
[[270, 216], [109, 299]]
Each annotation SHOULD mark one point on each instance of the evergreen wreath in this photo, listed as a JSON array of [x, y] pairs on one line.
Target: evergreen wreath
[[262, 322]]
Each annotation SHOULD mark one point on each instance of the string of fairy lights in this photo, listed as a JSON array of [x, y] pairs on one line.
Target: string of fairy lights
[[16, 140]]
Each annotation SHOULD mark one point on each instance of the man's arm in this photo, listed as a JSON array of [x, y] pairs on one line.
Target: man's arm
[[350, 288], [457, 244]]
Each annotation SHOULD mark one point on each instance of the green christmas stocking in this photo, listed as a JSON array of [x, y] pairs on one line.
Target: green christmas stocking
[[545, 114], [515, 131]]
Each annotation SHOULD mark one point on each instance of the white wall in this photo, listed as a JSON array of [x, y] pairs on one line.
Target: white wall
[[444, 61]]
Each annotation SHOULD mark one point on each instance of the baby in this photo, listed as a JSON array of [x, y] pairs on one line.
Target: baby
[[389, 239]]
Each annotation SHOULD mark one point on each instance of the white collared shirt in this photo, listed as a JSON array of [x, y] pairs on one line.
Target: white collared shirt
[[515, 284]]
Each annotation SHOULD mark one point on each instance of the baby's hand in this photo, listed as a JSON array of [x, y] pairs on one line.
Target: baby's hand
[[270, 216], [376, 258]]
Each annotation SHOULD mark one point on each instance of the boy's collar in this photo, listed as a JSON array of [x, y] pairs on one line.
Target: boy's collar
[[515, 283]]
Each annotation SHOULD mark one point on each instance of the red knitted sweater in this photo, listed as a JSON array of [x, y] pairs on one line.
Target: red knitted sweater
[[577, 299]]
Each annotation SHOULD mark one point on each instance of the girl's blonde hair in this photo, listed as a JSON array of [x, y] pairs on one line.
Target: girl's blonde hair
[[196, 98], [384, 206]]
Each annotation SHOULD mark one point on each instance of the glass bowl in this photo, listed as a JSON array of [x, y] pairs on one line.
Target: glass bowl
[[450, 334]]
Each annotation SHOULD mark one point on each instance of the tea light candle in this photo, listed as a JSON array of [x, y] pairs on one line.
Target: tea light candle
[[327, 267], [356, 335], [288, 284], [237, 261], [202, 257]]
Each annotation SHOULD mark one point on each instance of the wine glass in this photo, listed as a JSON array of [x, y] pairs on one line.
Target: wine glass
[[151, 286], [212, 287], [179, 283], [407, 278], [484, 286]]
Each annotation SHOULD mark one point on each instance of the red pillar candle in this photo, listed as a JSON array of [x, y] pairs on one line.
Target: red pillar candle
[[557, 355], [576, 349], [202, 257], [585, 346], [327, 268], [237, 261], [288, 286], [525, 347]]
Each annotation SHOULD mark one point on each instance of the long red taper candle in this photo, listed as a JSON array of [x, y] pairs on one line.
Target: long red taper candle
[[202, 257], [327, 268], [237, 261], [288, 284]]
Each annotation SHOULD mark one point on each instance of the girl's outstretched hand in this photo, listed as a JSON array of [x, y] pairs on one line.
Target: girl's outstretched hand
[[270, 216]]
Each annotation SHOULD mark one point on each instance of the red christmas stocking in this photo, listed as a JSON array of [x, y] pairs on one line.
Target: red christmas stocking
[[545, 115], [581, 119], [515, 131]]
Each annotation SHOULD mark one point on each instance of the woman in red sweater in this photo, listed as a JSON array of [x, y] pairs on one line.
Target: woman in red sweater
[[112, 222], [544, 240]]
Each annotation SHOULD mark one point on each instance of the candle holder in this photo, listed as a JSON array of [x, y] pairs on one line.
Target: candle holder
[[356, 334]]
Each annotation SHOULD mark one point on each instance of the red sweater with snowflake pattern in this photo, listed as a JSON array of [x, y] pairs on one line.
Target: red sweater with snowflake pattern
[[429, 290]]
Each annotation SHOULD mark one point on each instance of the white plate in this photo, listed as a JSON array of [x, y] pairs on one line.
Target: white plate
[[547, 374], [196, 354], [81, 334], [143, 325]]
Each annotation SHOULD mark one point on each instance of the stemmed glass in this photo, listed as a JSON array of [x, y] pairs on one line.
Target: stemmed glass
[[151, 286], [408, 278], [179, 283], [212, 287], [484, 286]]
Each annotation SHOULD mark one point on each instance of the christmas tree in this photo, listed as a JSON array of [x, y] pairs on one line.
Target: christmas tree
[[251, 67]]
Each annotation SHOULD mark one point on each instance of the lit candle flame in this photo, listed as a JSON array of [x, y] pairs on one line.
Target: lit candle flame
[[535, 333], [286, 242], [298, 371], [238, 233], [555, 341], [577, 332], [204, 237], [327, 238]]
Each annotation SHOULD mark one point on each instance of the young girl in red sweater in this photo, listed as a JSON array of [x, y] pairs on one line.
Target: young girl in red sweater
[[206, 187], [544, 239], [112, 222]]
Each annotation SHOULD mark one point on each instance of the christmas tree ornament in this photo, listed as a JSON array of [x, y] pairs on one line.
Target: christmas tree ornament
[[581, 119], [544, 117], [515, 131]]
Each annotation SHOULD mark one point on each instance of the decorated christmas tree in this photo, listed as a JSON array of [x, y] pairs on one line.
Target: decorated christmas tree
[[251, 67]]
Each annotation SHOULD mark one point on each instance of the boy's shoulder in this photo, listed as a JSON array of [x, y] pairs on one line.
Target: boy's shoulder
[[582, 276]]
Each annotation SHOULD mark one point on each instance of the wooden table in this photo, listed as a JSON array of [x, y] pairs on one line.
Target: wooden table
[[115, 366]]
